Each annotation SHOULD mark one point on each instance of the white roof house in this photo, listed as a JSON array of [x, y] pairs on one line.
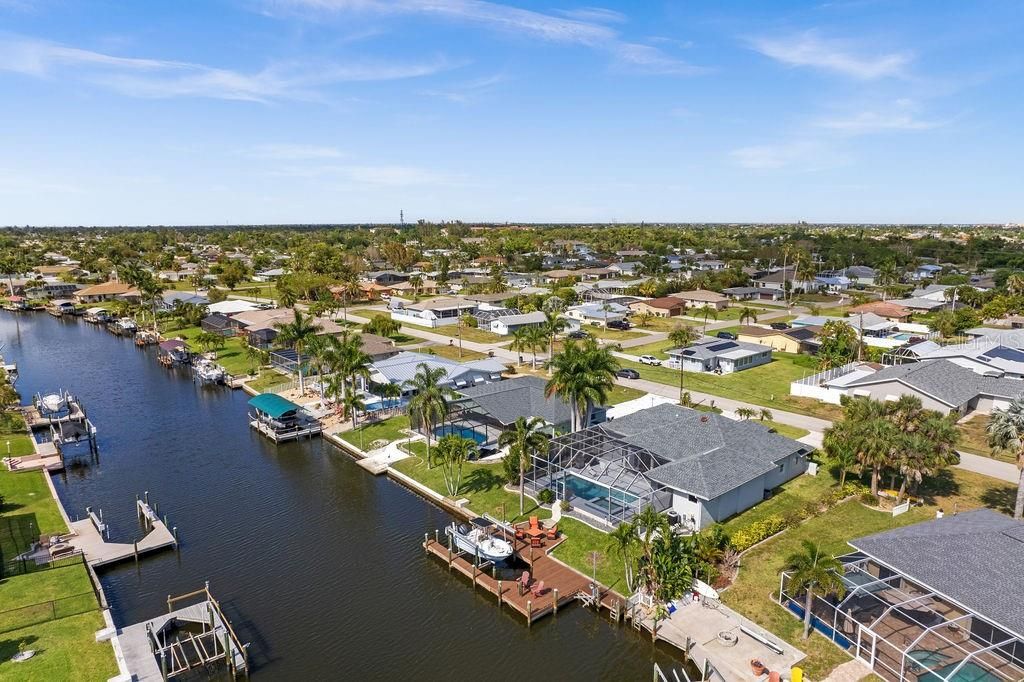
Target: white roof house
[[508, 324], [401, 368], [597, 313], [232, 307], [436, 312]]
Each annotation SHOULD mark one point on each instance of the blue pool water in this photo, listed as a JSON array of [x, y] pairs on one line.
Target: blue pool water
[[464, 431], [377, 404], [820, 625], [902, 337], [588, 490]]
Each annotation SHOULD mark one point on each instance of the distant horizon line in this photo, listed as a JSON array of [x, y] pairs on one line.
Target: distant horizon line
[[513, 224]]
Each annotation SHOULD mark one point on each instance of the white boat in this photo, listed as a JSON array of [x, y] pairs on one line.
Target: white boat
[[474, 539], [54, 402], [208, 371], [704, 590], [126, 325]]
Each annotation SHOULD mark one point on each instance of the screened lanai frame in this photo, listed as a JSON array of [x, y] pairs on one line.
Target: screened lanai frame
[[890, 653], [599, 456]]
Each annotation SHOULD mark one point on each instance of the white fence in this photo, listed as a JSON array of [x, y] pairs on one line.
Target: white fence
[[813, 386]]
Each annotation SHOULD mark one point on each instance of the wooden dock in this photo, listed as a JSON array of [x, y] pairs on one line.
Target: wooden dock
[[562, 584], [88, 538], [313, 429]]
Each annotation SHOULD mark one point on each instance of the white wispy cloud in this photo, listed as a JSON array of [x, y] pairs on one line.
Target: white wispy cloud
[[293, 152], [801, 155], [811, 50], [468, 91], [570, 28], [157, 78], [595, 14], [900, 115]]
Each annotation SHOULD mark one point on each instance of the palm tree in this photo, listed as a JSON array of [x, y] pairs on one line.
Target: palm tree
[[553, 325], [765, 414], [886, 276], [582, 375], [297, 334], [623, 541], [813, 569], [747, 314], [466, 320], [1006, 432], [416, 282], [681, 337], [1015, 284], [256, 356], [521, 341], [709, 312], [353, 403], [745, 413], [429, 405], [536, 337], [524, 440], [453, 451], [841, 455], [651, 524], [643, 318]]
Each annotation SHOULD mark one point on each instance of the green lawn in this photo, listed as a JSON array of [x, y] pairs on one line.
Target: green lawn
[[231, 357], [767, 385], [759, 572], [974, 440], [611, 334], [468, 334], [26, 492], [786, 430], [657, 349], [268, 379], [790, 497], [391, 429], [621, 394], [13, 431], [667, 324], [66, 649]]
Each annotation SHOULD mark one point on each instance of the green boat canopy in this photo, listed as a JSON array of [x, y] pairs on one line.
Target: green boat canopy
[[273, 405]]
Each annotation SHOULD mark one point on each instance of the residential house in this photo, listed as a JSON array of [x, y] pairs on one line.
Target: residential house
[[50, 289], [857, 274], [233, 306], [720, 356], [598, 314], [752, 294], [269, 275], [710, 265], [929, 600], [108, 291], [926, 272], [506, 325], [219, 323], [701, 468], [436, 312], [401, 368], [885, 309], [385, 277], [702, 298], [833, 283], [780, 278], [666, 306], [625, 269], [795, 340], [57, 270], [169, 298]]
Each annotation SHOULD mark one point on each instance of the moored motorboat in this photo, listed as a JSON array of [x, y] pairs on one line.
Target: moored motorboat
[[124, 327], [208, 371], [476, 539]]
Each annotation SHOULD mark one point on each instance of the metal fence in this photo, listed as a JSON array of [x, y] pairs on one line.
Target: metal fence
[[21, 566], [44, 612]]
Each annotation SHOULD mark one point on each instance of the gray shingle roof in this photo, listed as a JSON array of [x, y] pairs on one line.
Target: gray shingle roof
[[705, 454], [522, 396], [973, 558], [945, 381]]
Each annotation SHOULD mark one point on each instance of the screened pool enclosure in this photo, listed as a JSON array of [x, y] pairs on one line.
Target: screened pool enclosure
[[905, 631]]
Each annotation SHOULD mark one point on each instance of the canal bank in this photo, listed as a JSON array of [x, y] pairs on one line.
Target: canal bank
[[319, 564]]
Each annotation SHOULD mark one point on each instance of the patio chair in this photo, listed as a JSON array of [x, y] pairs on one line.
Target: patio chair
[[534, 522], [523, 582], [520, 535], [538, 589], [552, 532], [535, 541]]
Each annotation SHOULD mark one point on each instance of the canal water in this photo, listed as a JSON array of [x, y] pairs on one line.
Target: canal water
[[317, 562]]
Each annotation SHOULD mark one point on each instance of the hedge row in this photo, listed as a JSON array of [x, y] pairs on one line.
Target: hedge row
[[747, 537]]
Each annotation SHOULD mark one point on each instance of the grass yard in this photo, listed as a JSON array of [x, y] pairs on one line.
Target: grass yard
[[759, 573], [789, 497], [26, 492], [786, 430], [468, 334], [66, 649], [974, 440], [254, 289], [658, 349], [667, 324], [452, 352], [611, 334], [621, 394], [391, 429], [231, 357], [767, 385], [268, 379], [14, 432]]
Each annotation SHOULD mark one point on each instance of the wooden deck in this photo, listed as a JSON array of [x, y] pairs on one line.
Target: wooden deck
[[314, 429], [561, 583], [89, 540]]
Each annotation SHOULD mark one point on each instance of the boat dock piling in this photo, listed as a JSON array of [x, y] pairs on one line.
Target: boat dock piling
[[88, 537]]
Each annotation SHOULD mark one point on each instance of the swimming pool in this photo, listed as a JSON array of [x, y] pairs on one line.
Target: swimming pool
[[377, 404], [970, 672], [595, 492], [464, 431], [902, 336]]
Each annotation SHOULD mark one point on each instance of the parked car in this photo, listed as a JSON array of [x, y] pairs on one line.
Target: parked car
[[622, 325], [726, 335], [628, 374], [649, 360], [779, 325], [577, 334]]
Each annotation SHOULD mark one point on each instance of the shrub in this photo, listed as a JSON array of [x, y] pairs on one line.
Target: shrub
[[546, 496], [564, 505], [745, 538], [869, 499]]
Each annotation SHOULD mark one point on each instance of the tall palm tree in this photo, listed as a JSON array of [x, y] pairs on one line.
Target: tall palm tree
[[681, 337], [624, 541], [1015, 284], [583, 375], [430, 404], [810, 570], [553, 325], [1006, 432], [297, 334], [747, 314], [651, 524], [886, 276], [709, 312], [536, 337], [524, 440]]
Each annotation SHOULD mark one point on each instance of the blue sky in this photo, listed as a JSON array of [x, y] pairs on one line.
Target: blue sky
[[265, 111]]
